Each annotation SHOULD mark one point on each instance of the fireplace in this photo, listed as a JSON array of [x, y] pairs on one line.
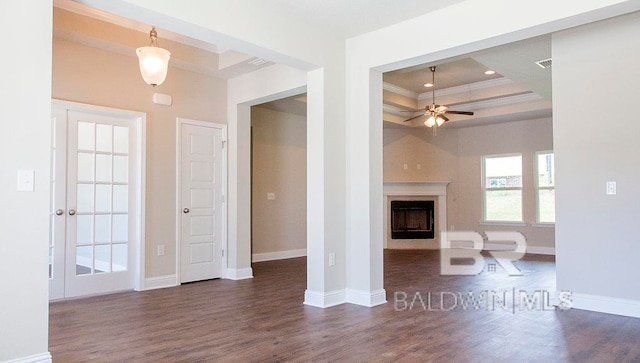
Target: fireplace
[[412, 219], [418, 191]]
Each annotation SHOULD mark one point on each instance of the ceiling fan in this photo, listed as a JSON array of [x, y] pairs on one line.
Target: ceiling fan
[[436, 113]]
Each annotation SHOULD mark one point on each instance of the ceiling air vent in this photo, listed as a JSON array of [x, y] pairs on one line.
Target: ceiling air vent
[[545, 63], [255, 61]]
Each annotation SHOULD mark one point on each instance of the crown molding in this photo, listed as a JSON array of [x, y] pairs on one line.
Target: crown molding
[[399, 90], [497, 102], [97, 14], [466, 88]]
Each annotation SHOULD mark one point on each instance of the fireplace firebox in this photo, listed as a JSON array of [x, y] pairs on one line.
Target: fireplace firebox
[[412, 219]]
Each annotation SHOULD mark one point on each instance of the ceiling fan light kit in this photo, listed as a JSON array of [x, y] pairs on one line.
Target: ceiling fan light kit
[[436, 113]]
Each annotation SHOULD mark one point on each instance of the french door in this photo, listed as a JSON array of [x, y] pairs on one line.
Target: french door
[[95, 207]]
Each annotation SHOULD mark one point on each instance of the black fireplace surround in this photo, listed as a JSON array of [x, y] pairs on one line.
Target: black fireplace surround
[[412, 219]]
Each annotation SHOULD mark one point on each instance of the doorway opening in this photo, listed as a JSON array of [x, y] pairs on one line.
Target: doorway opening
[[279, 179]]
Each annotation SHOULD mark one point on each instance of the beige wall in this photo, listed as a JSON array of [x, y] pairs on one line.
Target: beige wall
[[279, 165], [89, 75], [455, 155]]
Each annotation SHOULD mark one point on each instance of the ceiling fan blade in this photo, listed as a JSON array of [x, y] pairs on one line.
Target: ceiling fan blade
[[468, 113], [413, 118], [445, 118]]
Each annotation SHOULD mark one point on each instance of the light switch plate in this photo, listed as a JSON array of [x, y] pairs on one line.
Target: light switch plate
[[271, 196], [25, 180], [611, 188]]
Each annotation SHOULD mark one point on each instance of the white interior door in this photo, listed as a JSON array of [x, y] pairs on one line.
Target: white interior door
[[95, 208], [58, 203], [200, 200]]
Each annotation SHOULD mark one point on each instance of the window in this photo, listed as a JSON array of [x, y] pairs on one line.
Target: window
[[503, 188], [545, 185]]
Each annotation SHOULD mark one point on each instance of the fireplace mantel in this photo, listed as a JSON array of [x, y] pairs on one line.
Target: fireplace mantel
[[433, 188], [436, 190]]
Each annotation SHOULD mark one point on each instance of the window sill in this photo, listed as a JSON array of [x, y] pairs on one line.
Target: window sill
[[543, 225], [503, 224]]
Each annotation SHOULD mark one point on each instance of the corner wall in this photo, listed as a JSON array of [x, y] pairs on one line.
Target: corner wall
[[25, 129], [596, 131]]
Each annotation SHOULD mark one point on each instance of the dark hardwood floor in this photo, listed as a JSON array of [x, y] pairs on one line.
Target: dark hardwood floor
[[263, 319]]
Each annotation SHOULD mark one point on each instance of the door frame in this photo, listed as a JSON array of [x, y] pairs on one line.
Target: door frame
[[223, 127], [139, 179]]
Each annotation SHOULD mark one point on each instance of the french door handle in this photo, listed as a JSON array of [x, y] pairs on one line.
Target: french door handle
[[72, 212], [59, 212], [185, 211]]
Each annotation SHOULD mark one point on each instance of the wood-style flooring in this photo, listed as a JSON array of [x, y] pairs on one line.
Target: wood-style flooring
[[263, 320]]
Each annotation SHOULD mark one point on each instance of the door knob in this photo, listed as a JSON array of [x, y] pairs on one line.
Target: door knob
[[186, 210], [72, 212], [59, 212]]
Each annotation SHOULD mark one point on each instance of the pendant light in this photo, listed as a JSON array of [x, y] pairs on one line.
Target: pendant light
[[153, 60]]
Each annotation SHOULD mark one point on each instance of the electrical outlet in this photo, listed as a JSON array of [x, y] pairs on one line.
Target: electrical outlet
[[332, 259], [419, 166], [160, 250], [271, 196], [405, 166], [611, 188]]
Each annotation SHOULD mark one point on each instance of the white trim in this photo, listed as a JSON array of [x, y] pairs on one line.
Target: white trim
[[539, 250], [184, 121], [101, 15], [543, 225], [238, 274], [367, 298], [140, 177], [38, 358], [604, 304], [160, 282], [502, 224], [497, 102], [466, 88], [325, 299], [278, 255], [400, 91]]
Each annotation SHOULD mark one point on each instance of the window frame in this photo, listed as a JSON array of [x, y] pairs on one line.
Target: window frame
[[485, 188], [537, 187]]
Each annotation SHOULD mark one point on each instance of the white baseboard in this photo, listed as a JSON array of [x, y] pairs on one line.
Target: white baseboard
[[608, 305], [160, 282], [239, 274], [38, 358], [279, 255], [324, 299], [367, 298], [536, 250], [541, 250]]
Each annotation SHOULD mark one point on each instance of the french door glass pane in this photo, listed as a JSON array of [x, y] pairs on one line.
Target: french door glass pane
[[103, 258], [119, 257], [85, 167], [120, 232], [120, 140], [85, 198], [84, 229], [103, 198], [84, 260], [103, 228], [103, 168], [120, 169], [103, 138], [86, 136]]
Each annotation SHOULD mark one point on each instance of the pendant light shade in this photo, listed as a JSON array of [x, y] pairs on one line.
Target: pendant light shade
[[154, 61]]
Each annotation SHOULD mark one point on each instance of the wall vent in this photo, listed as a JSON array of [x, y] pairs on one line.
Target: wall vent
[[255, 61], [545, 63]]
